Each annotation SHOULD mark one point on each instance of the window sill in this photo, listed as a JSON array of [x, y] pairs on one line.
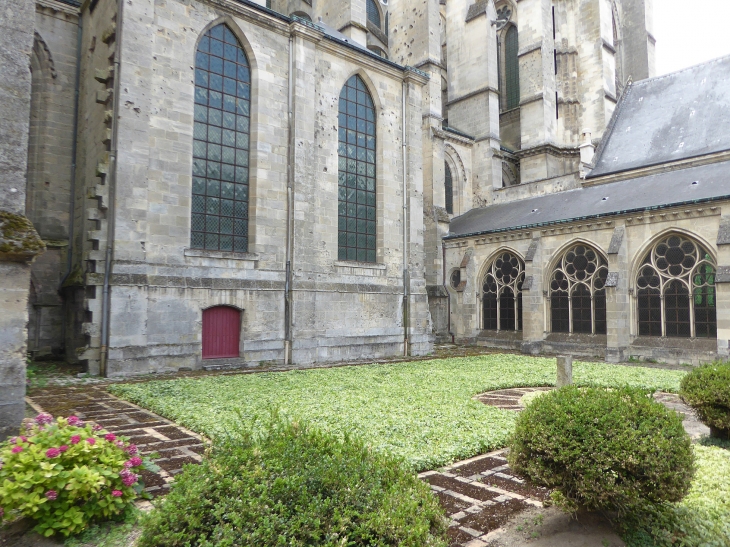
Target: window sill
[[372, 269], [202, 253]]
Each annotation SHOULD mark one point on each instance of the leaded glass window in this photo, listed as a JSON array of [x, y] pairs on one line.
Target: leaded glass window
[[221, 143], [502, 293], [373, 13], [578, 292], [512, 68], [449, 189], [675, 290], [356, 180]]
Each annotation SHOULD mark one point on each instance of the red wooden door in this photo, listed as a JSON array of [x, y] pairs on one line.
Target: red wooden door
[[221, 330]]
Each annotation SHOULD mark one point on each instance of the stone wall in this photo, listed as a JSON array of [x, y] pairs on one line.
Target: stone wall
[[16, 42], [50, 159], [160, 287]]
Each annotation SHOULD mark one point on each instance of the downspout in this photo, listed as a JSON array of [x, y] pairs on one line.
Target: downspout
[[75, 136], [406, 281], [448, 292], [112, 179], [289, 209]]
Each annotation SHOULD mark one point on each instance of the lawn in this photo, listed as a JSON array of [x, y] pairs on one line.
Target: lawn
[[422, 411]]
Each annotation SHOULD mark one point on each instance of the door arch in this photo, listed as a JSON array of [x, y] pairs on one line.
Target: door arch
[[221, 332]]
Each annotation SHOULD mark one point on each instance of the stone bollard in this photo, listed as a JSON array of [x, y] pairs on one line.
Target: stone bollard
[[565, 371]]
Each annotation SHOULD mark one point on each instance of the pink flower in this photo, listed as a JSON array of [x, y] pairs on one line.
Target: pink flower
[[24, 438], [117, 493], [133, 462], [51, 495], [110, 437], [91, 441], [119, 443], [73, 420], [17, 449], [63, 448], [97, 427], [53, 453], [131, 449], [43, 418], [128, 478], [75, 439]]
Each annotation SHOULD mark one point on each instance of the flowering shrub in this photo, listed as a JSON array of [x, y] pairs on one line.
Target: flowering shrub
[[64, 473]]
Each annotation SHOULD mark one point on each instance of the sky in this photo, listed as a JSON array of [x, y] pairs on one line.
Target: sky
[[688, 33]]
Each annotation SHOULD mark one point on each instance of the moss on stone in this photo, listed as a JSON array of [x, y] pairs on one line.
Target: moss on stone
[[18, 238]]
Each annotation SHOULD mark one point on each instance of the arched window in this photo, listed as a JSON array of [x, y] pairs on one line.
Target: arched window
[[578, 293], [511, 68], [387, 24], [373, 13], [449, 189], [221, 143], [676, 290], [356, 180], [502, 293]]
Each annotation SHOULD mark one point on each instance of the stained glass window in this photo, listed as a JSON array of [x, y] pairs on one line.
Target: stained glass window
[[356, 177], [502, 293], [676, 290], [449, 189], [221, 143], [512, 68], [578, 292], [373, 13]]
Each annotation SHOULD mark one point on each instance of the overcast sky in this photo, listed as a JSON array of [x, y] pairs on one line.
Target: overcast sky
[[688, 33]]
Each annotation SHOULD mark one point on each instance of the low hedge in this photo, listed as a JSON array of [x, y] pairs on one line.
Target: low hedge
[[603, 449], [295, 486], [707, 390]]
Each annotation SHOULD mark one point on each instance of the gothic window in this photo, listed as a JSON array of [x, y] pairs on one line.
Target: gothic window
[[676, 290], [373, 13], [449, 189], [356, 178], [221, 143], [511, 68], [577, 292], [502, 293]]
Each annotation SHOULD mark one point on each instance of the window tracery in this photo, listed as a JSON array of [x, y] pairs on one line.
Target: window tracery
[[676, 290], [578, 293], [502, 293]]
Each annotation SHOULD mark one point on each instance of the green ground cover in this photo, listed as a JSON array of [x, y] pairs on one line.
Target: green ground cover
[[421, 411]]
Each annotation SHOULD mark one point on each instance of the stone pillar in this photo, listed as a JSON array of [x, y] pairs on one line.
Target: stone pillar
[[19, 242], [617, 298], [722, 286], [637, 47], [533, 302], [565, 371], [347, 16]]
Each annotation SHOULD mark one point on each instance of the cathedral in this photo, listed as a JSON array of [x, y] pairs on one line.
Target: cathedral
[[233, 183]]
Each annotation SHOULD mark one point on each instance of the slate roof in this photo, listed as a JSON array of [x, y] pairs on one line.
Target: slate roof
[[681, 115], [604, 200]]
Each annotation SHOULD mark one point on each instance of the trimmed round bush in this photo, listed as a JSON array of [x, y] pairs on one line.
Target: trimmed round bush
[[707, 390], [603, 449], [295, 486]]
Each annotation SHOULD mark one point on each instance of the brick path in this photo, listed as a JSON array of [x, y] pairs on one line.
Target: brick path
[[151, 433]]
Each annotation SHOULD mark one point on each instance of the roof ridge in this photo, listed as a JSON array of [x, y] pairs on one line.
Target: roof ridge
[[685, 69]]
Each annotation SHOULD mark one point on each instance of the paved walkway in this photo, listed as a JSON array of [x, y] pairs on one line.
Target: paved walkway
[[152, 434]]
